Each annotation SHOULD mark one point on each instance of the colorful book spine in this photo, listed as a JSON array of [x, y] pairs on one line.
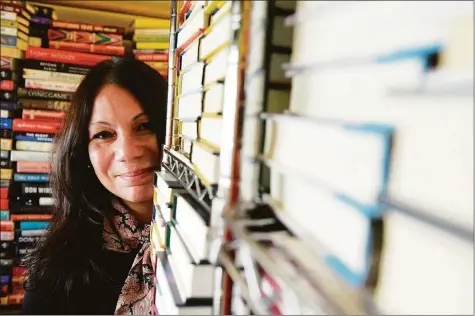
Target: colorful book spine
[[60, 56], [85, 37], [6, 62], [50, 85], [7, 85], [51, 76], [11, 31], [33, 167], [40, 20], [152, 57], [48, 66], [43, 115], [30, 177], [88, 48], [45, 104], [33, 225], [6, 123], [8, 40], [35, 126]]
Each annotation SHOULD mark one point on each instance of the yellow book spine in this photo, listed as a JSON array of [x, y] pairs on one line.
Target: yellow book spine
[[158, 65], [151, 45], [6, 174], [12, 52], [149, 23], [6, 143]]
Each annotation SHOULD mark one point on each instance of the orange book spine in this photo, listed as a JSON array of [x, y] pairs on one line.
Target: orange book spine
[[7, 226], [45, 115], [31, 217], [35, 126]]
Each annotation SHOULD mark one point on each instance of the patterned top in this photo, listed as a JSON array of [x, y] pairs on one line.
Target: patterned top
[[137, 294]]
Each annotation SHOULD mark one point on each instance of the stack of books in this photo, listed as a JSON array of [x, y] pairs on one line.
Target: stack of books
[[179, 233], [87, 38], [151, 40], [15, 23]]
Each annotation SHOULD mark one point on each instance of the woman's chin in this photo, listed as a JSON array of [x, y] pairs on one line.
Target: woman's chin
[[137, 194]]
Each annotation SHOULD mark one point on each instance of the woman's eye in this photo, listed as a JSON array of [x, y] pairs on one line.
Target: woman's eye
[[103, 135], [144, 126]]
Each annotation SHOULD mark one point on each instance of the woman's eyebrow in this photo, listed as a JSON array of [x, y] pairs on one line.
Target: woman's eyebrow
[[139, 116], [101, 122]]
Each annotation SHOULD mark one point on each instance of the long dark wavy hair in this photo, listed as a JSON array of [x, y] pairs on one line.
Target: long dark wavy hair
[[66, 254]]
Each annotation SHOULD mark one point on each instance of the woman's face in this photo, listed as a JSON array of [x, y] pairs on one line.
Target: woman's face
[[123, 150]]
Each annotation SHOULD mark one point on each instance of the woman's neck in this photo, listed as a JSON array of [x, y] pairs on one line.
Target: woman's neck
[[142, 211]]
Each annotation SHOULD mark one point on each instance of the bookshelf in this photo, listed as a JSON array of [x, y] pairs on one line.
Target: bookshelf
[[348, 110]]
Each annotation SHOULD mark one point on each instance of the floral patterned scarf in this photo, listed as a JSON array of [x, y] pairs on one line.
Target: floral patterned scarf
[[137, 294]]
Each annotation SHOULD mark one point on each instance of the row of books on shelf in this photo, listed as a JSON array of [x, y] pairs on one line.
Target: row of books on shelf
[[357, 131]]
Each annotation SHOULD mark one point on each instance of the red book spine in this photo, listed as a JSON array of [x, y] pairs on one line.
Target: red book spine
[[11, 8], [4, 204], [33, 167], [19, 271], [6, 62], [6, 226], [35, 126], [67, 57], [43, 115], [3, 193], [7, 85], [88, 48], [152, 57]]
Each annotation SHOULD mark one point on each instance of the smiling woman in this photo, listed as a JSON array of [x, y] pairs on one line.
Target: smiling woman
[[96, 249]]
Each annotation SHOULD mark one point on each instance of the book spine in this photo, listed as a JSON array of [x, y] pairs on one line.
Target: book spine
[[33, 232], [61, 56], [4, 204], [34, 225], [85, 37], [11, 31], [8, 40], [35, 126], [9, 23], [42, 104], [20, 155], [44, 94], [7, 85], [43, 115], [6, 163], [6, 143], [33, 146], [10, 106], [6, 226], [3, 193], [27, 177], [11, 8], [7, 74], [39, 65], [8, 95], [151, 57], [5, 15], [33, 139], [51, 76], [33, 167], [40, 20], [6, 62], [88, 48], [6, 123], [38, 189], [6, 236], [68, 25], [30, 217], [6, 174], [50, 85]]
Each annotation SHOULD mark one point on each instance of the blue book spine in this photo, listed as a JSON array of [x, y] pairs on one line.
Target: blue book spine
[[34, 139], [4, 215], [30, 177], [33, 225], [6, 123], [8, 40], [7, 106]]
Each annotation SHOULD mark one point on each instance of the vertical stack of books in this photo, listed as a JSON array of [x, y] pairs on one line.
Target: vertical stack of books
[[151, 40], [15, 22]]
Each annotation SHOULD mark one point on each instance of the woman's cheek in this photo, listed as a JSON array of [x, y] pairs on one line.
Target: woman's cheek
[[101, 162]]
